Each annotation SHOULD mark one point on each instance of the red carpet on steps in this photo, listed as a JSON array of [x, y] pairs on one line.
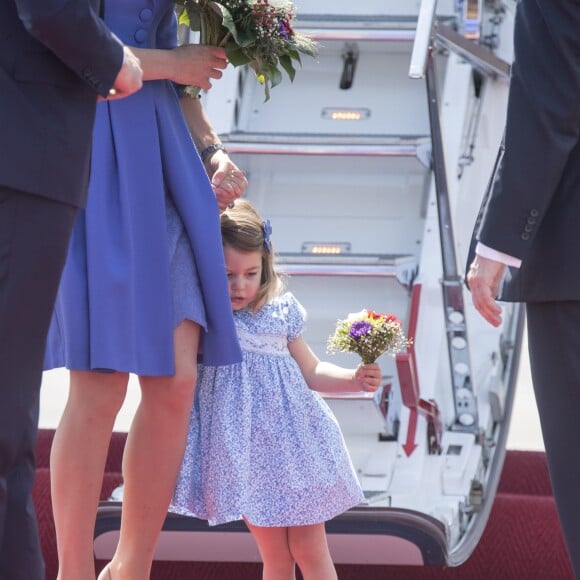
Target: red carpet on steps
[[522, 540]]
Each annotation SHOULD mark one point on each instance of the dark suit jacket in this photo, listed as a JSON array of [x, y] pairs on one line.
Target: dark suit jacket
[[55, 57], [532, 207]]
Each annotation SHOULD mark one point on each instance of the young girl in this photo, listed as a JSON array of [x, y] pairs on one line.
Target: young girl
[[262, 444]]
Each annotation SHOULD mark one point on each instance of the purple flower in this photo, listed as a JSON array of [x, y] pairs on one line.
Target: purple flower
[[359, 328], [283, 29]]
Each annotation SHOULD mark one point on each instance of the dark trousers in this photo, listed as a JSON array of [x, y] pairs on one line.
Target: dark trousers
[[554, 346], [34, 236]]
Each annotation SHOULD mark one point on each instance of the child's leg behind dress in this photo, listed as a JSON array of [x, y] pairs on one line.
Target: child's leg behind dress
[[309, 547], [278, 563]]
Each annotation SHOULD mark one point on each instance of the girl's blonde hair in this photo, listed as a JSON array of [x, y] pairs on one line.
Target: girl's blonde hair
[[244, 231]]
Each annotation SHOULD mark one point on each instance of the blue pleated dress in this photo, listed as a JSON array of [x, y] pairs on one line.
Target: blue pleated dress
[[146, 253]]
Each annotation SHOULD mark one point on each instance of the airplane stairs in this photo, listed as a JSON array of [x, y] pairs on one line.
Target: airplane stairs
[[372, 182], [522, 539]]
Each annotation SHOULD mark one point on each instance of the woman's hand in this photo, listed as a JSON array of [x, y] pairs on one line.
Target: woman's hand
[[196, 64], [227, 180], [368, 377]]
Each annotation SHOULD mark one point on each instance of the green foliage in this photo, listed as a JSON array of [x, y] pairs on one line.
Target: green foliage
[[257, 33]]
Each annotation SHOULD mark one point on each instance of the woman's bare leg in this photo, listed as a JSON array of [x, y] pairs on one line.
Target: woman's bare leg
[[77, 461], [275, 552], [309, 547], [153, 456]]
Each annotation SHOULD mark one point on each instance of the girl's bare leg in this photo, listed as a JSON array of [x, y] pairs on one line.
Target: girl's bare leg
[[275, 552], [309, 547], [153, 456], [77, 463]]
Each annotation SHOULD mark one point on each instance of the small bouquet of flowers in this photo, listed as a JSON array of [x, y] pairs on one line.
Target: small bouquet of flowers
[[369, 335], [258, 33]]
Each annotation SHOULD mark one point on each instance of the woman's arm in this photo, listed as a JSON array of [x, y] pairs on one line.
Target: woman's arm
[[190, 64], [227, 180], [326, 377], [194, 64]]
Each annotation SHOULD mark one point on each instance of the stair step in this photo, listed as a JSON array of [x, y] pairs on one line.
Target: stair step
[[400, 266], [332, 145], [397, 19]]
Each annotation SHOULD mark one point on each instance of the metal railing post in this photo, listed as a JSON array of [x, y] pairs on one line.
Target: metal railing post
[[423, 66]]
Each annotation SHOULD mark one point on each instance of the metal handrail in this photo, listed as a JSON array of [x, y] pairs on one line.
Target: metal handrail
[[430, 30], [423, 36], [423, 65], [480, 56]]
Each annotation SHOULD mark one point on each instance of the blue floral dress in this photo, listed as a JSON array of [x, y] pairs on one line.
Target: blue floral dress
[[261, 444]]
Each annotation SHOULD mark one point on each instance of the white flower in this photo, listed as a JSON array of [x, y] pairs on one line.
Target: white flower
[[354, 316], [278, 4]]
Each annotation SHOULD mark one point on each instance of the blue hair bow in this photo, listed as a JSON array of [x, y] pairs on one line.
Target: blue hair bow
[[267, 230]]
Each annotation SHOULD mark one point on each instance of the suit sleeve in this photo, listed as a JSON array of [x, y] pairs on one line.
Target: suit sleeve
[[73, 31], [542, 128]]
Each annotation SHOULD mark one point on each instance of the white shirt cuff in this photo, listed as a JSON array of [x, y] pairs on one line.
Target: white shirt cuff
[[487, 252]]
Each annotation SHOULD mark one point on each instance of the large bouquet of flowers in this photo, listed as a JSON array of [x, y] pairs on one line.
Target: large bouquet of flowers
[[369, 335], [258, 33]]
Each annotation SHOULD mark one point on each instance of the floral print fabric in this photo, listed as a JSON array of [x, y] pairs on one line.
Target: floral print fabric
[[261, 444]]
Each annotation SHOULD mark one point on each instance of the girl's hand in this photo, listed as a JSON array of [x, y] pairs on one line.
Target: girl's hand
[[368, 377], [227, 180], [196, 64]]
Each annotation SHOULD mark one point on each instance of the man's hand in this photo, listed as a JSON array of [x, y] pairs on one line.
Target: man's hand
[[130, 77], [484, 278]]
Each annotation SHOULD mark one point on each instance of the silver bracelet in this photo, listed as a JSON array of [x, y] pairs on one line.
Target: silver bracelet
[[206, 153]]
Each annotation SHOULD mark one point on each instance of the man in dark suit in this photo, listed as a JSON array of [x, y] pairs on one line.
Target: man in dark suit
[[56, 58], [528, 233]]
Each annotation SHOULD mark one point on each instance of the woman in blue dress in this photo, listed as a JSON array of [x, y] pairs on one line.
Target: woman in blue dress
[[262, 444], [143, 291]]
